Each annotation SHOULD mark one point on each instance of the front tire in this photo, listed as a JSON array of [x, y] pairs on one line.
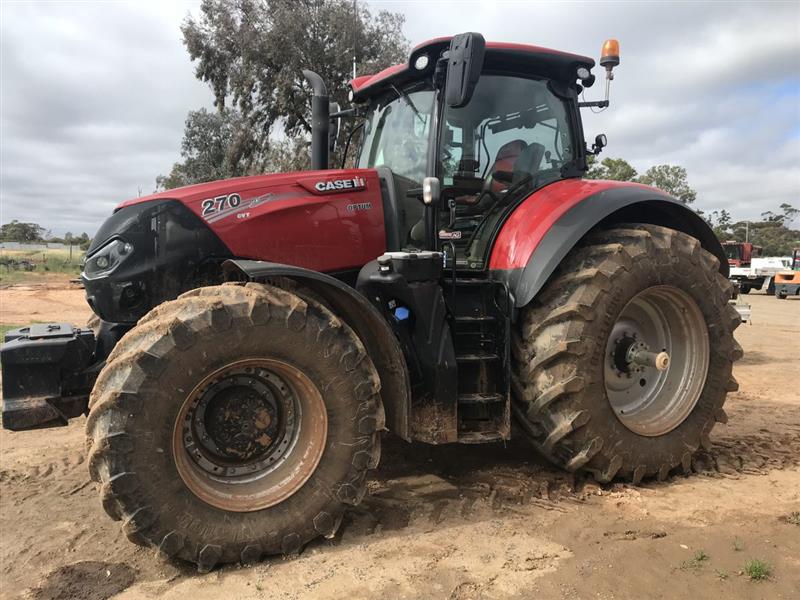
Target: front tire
[[628, 292], [234, 422]]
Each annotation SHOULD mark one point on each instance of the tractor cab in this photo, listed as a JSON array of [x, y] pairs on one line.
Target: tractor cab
[[460, 136], [491, 122], [740, 254]]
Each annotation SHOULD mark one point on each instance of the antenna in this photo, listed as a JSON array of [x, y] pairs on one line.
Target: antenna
[[355, 34]]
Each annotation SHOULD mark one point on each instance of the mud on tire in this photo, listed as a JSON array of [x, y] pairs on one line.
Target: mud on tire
[[559, 352], [150, 372]]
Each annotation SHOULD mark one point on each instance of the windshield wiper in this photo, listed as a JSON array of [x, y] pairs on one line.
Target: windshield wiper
[[408, 101]]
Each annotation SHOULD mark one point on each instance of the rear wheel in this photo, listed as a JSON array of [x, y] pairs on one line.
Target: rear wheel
[[233, 422], [623, 361]]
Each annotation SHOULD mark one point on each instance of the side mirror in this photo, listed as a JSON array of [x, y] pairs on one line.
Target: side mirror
[[464, 64], [333, 131], [600, 142], [431, 190]]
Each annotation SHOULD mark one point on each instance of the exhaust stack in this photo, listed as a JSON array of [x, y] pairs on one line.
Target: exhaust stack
[[320, 121]]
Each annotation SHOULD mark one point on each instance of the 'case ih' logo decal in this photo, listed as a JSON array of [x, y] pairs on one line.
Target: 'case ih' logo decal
[[337, 185]]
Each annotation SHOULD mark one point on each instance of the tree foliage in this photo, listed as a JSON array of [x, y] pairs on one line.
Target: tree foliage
[[214, 147], [251, 53], [670, 178], [16, 231], [615, 169], [774, 232]]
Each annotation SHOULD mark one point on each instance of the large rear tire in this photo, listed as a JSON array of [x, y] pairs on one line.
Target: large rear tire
[[234, 422], [591, 385]]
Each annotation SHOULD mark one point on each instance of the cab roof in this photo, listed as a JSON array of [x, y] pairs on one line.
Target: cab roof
[[502, 56]]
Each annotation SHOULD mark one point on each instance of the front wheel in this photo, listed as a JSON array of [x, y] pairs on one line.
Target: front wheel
[[623, 361], [234, 422]]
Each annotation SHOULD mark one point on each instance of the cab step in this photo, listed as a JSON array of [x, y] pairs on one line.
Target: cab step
[[478, 357], [480, 437], [477, 319], [480, 398]]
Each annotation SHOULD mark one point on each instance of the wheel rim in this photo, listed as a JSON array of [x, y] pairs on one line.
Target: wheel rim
[[656, 360], [250, 434]]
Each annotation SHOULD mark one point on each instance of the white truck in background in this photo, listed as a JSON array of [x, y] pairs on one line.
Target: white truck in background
[[760, 271]]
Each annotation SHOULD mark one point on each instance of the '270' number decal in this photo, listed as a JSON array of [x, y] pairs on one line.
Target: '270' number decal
[[220, 203]]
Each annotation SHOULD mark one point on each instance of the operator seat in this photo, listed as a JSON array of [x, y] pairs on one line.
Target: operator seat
[[505, 160], [528, 162]]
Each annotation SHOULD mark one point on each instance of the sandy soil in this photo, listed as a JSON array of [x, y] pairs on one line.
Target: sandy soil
[[48, 298], [455, 522]]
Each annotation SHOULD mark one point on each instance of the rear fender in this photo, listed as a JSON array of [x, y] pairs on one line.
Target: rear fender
[[361, 316], [550, 222]]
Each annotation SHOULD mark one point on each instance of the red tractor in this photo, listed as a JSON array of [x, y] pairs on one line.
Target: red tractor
[[258, 334], [740, 254]]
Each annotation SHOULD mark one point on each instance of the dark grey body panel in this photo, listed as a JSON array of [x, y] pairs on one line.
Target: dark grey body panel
[[602, 210], [358, 313]]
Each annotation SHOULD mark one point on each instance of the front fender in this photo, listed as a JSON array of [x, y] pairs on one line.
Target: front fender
[[542, 230], [355, 310]]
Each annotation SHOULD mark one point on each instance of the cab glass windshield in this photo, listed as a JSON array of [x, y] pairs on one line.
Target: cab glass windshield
[[513, 137], [396, 132], [396, 135]]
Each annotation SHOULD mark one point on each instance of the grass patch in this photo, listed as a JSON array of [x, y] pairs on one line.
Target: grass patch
[[696, 562], [17, 266], [794, 518], [700, 555], [757, 570]]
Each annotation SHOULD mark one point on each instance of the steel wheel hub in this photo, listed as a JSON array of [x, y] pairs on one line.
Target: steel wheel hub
[[250, 434], [656, 360], [240, 423]]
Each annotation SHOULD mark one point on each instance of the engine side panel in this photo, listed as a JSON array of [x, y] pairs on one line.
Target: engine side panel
[[325, 220], [550, 222]]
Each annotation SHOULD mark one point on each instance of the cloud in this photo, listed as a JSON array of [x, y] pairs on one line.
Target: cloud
[[94, 98], [94, 95]]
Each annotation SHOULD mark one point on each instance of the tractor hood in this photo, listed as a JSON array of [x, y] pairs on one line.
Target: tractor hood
[[242, 185], [155, 247], [250, 215]]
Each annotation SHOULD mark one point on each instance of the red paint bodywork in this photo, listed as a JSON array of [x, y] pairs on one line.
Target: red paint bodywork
[[531, 220], [283, 218], [745, 251]]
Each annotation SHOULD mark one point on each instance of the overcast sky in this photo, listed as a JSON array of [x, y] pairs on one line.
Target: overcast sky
[[94, 94]]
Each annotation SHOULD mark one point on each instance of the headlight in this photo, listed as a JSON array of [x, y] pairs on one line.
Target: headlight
[[108, 258]]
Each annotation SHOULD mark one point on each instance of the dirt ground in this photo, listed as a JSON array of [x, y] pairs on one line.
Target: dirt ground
[[454, 522]]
